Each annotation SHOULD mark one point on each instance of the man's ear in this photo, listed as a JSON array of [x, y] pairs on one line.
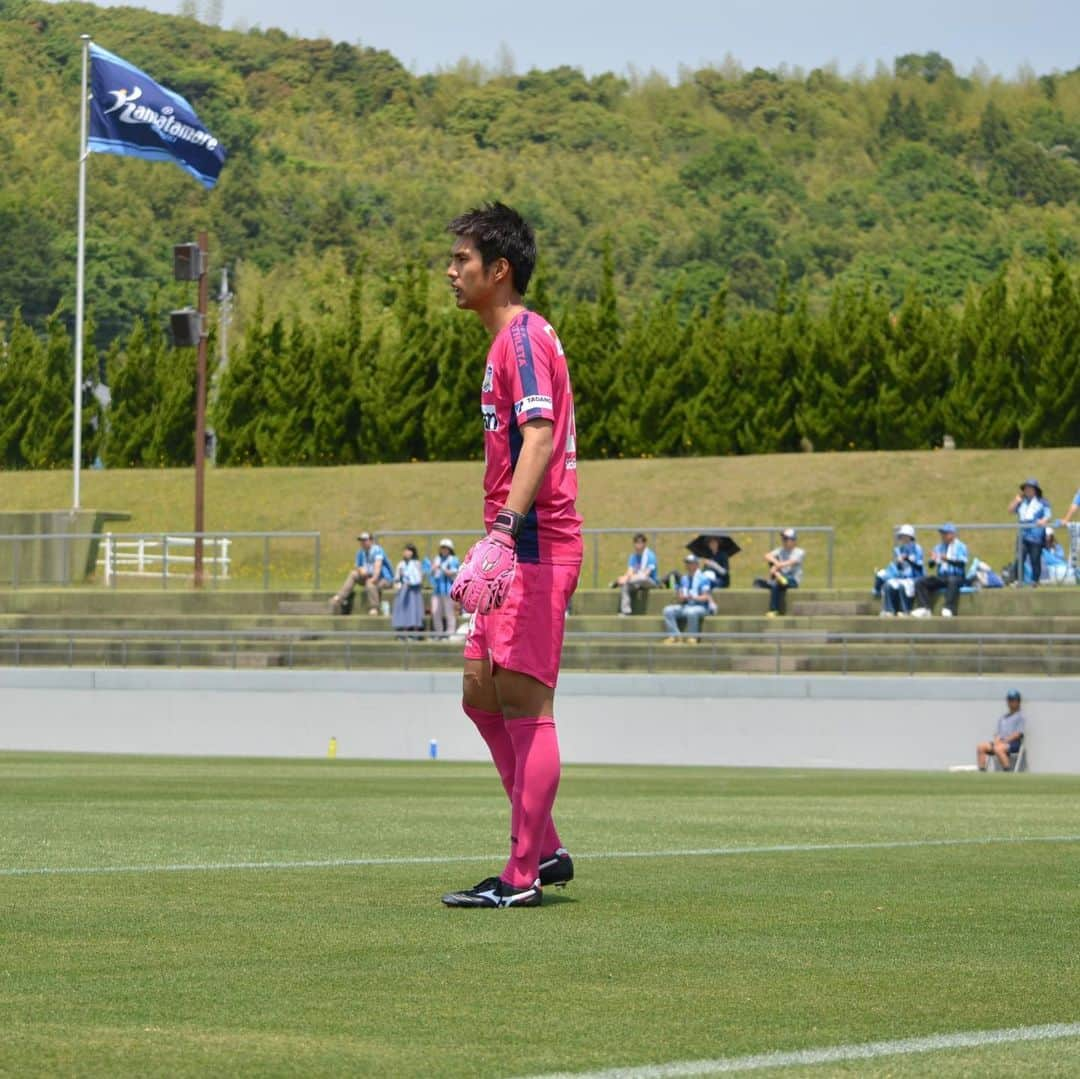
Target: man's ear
[[500, 269]]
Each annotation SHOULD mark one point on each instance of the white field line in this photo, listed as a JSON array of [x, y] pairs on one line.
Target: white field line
[[835, 1054], [703, 852]]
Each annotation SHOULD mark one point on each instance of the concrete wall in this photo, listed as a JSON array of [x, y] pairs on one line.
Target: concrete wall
[[826, 722]]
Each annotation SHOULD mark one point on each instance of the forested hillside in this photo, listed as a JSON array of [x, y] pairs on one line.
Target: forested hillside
[[742, 262]]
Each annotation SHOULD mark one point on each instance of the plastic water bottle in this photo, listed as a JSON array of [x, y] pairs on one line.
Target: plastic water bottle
[[433, 749], [331, 750], [385, 607]]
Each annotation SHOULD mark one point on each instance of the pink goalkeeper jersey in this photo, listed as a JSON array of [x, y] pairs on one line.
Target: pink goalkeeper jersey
[[526, 379]]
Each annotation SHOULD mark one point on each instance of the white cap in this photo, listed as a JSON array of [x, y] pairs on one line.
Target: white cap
[[906, 530], [446, 542]]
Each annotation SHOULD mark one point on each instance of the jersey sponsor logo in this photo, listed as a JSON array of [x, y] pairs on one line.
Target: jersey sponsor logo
[[491, 419], [527, 404], [489, 380]]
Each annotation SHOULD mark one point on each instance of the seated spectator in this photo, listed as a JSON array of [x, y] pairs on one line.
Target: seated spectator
[[1055, 565], [1008, 737], [444, 569], [640, 573], [694, 602], [785, 571], [949, 561], [896, 582], [717, 564], [407, 614], [372, 572], [1034, 512]]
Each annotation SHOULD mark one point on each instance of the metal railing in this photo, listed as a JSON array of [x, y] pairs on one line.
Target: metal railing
[[22, 556], [1013, 528], [606, 558], [777, 652]]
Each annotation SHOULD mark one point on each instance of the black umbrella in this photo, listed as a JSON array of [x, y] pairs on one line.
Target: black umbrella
[[701, 546]]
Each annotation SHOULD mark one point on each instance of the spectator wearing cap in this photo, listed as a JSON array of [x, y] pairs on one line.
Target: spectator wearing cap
[[640, 573], [372, 571], [897, 580], [1034, 512], [949, 561], [695, 601], [1008, 736], [444, 567], [785, 571]]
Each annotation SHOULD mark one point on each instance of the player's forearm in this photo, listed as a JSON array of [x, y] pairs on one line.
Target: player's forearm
[[532, 465]]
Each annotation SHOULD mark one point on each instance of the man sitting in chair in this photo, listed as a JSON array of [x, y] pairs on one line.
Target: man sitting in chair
[[1009, 737]]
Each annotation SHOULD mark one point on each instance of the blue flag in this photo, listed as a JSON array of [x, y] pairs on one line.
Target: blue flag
[[131, 114]]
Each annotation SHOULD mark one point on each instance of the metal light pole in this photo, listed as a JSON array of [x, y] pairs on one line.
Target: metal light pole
[[191, 262], [200, 404]]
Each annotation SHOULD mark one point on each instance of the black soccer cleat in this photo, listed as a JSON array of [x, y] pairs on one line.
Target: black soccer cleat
[[495, 892], [557, 869]]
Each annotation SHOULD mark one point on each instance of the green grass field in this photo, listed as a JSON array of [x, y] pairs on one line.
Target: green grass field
[[860, 494], [187, 917]]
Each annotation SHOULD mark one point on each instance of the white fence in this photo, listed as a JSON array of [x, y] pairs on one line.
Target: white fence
[[164, 557]]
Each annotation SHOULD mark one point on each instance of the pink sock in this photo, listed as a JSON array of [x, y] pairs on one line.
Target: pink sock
[[493, 729], [536, 781]]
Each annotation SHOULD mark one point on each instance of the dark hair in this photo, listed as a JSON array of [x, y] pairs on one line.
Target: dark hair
[[410, 547], [641, 536], [500, 232]]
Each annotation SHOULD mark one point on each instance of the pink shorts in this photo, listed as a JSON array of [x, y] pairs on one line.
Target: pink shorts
[[525, 634]]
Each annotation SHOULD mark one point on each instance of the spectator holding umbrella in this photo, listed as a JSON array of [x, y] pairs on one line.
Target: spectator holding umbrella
[[715, 552], [1034, 512]]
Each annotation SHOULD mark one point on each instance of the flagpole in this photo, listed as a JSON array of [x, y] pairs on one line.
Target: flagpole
[[80, 273]]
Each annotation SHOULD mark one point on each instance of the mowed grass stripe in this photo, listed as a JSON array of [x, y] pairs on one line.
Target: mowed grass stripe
[[706, 852], [837, 1054]]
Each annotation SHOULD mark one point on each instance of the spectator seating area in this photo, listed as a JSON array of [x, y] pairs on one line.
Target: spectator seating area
[[1015, 631]]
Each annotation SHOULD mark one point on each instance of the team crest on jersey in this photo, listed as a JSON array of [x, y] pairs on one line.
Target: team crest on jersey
[[489, 379], [491, 419]]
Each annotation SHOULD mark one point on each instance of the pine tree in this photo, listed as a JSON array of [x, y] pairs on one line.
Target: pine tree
[[917, 376], [132, 377], [1049, 326], [241, 400], [987, 398], [47, 440], [591, 335], [408, 372], [285, 433], [21, 363]]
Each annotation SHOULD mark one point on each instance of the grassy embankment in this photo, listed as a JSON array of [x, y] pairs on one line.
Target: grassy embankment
[[860, 494]]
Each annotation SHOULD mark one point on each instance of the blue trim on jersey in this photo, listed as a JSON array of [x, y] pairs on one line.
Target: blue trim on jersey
[[528, 542], [528, 369]]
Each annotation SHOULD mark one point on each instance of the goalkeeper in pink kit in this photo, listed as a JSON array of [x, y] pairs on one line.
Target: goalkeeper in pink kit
[[518, 580]]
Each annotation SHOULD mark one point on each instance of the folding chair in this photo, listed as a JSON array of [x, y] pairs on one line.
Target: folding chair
[[1017, 759]]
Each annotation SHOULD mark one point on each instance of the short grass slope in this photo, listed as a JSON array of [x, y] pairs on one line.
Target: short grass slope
[[862, 495], [193, 917]]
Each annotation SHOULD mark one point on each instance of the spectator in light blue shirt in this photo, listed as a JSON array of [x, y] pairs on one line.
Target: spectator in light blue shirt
[[695, 601], [372, 571], [897, 580], [949, 560], [1035, 513], [444, 569], [640, 573]]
